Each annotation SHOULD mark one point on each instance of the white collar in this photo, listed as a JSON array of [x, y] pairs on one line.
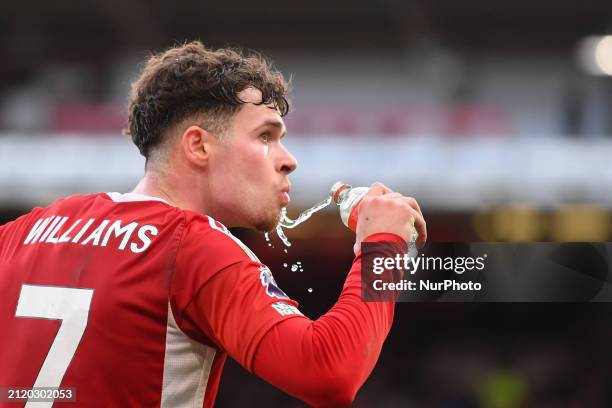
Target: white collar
[[128, 197]]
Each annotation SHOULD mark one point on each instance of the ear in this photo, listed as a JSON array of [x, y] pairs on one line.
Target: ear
[[196, 144]]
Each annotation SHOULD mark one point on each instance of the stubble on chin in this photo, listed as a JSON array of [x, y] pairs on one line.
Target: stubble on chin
[[269, 223]]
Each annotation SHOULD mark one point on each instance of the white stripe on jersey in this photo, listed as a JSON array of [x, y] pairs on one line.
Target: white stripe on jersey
[[223, 229], [129, 197], [187, 366]]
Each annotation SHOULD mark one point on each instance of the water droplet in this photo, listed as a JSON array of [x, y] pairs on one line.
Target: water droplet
[[309, 290], [282, 236], [267, 237], [299, 263], [294, 268], [285, 250], [285, 265]]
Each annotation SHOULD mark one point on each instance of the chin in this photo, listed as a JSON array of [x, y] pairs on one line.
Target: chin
[[268, 224]]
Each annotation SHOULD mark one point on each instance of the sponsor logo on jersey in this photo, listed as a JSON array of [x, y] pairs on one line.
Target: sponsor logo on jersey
[[285, 309], [267, 280]]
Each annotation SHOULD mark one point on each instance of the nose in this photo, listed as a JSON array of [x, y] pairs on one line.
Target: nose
[[287, 163]]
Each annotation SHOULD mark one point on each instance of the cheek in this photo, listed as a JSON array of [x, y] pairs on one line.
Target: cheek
[[253, 153], [254, 160], [245, 167]]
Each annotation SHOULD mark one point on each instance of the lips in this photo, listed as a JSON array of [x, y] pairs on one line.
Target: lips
[[285, 197], [284, 193]]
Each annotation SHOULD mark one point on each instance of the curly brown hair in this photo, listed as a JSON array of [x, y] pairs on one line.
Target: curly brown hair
[[190, 80]]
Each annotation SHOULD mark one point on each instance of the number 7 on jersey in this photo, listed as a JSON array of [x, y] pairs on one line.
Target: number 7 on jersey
[[71, 306]]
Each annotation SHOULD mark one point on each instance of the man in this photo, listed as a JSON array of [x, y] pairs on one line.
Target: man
[[137, 299]]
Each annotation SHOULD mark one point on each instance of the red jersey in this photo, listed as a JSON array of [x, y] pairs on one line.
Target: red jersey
[[133, 302], [94, 291]]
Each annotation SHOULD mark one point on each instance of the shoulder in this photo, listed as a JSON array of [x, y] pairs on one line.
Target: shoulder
[[208, 249], [211, 237]]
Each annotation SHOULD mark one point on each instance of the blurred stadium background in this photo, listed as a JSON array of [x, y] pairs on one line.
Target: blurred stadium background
[[494, 115]]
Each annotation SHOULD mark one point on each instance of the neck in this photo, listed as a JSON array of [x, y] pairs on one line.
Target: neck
[[179, 193]]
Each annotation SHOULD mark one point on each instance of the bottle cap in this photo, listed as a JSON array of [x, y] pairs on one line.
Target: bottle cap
[[336, 189]]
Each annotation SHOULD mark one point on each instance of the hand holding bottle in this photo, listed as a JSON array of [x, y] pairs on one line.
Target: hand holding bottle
[[382, 210]]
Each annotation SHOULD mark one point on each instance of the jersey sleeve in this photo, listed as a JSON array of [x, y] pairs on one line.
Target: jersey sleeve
[[222, 295], [13, 233], [335, 353]]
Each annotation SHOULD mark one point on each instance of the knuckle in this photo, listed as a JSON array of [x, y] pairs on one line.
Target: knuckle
[[377, 200], [407, 207]]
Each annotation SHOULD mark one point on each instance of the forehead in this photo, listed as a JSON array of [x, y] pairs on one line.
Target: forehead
[[250, 95], [252, 114]]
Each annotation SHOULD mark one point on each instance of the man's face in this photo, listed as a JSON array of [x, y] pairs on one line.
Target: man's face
[[249, 167]]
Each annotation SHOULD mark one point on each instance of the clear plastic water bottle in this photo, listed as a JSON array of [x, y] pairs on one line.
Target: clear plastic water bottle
[[348, 199]]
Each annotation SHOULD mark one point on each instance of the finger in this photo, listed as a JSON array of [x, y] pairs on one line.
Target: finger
[[414, 204], [378, 188], [421, 227], [419, 220], [387, 189], [397, 196]]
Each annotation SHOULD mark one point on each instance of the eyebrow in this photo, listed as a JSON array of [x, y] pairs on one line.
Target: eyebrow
[[275, 123]]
